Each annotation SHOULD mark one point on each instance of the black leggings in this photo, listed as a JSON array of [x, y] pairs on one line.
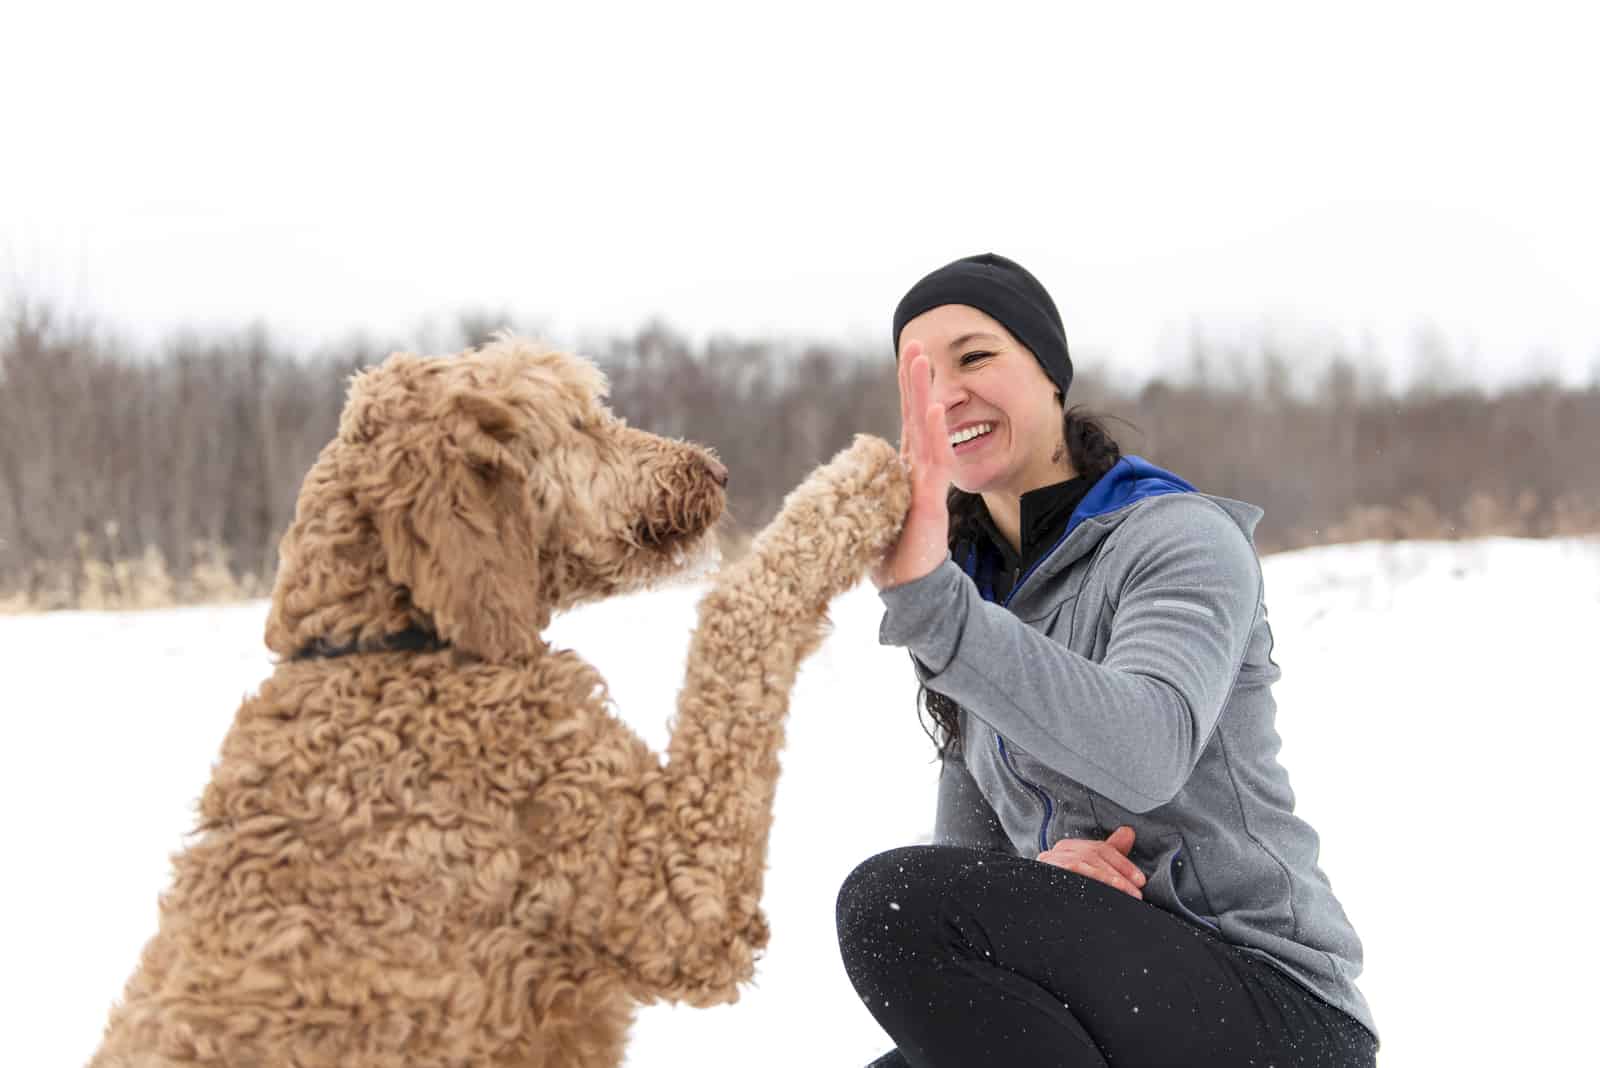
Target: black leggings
[[976, 958]]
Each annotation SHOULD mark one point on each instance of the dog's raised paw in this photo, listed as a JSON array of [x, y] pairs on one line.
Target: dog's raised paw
[[879, 495], [868, 465], [840, 520]]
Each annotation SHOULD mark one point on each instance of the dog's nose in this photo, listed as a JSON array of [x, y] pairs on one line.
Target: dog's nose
[[718, 472]]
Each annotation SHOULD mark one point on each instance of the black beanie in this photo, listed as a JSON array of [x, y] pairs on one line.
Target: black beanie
[[1006, 293]]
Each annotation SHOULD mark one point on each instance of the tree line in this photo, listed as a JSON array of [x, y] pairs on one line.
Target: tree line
[[132, 477]]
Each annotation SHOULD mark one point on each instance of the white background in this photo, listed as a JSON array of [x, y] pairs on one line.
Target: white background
[[1438, 726], [1355, 175]]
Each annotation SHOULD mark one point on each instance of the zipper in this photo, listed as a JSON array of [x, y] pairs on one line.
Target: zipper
[[1172, 877], [1044, 798], [1019, 576]]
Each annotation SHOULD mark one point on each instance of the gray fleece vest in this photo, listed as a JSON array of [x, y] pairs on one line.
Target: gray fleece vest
[[1129, 681]]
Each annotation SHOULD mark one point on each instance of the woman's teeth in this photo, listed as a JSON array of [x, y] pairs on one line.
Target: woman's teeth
[[969, 433]]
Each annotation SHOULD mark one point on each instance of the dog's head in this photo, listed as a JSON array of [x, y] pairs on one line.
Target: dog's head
[[472, 496]]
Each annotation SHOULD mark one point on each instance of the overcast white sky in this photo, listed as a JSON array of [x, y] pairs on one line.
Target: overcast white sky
[[1347, 171]]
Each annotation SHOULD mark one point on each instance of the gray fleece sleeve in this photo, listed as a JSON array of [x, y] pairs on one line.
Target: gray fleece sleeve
[[1185, 594], [964, 816]]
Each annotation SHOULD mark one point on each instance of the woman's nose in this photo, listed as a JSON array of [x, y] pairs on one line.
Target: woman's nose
[[947, 390]]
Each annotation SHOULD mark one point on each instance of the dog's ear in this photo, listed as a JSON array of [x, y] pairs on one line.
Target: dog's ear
[[462, 531]]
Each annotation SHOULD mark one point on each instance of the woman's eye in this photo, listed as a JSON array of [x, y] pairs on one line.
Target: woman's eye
[[974, 357]]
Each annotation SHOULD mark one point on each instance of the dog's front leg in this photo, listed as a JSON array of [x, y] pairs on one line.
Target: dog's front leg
[[713, 808]]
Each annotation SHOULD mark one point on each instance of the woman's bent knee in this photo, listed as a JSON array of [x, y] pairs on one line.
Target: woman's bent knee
[[903, 897], [873, 886], [878, 873]]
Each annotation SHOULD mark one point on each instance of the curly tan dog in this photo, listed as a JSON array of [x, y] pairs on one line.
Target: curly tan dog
[[428, 841]]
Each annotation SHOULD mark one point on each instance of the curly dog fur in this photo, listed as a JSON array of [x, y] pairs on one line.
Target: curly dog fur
[[456, 854]]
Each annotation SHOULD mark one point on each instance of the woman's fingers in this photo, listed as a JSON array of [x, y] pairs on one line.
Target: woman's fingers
[[1105, 861], [918, 381], [1111, 878], [925, 432], [1105, 873], [905, 410], [931, 443], [943, 454], [921, 546], [912, 350], [923, 440], [932, 435], [1125, 867], [1116, 848], [1087, 864]]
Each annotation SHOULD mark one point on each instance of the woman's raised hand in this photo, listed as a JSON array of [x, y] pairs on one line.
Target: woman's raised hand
[[1105, 861], [925, 449]]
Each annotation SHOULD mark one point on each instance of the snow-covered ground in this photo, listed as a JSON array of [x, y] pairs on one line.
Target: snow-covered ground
[[1439, 716]]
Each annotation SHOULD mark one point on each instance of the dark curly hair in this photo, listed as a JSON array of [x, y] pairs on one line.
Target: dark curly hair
[[1093, 452]]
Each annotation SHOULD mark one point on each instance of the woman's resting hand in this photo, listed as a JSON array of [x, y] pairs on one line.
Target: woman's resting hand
[[1106, 861]]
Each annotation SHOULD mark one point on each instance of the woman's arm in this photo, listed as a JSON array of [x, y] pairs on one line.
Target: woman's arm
[[1131, 727]]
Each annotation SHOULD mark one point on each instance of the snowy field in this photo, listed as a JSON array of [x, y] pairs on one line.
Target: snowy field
[[1438, 711]]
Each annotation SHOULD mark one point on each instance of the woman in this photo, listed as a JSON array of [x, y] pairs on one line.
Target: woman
[[1091, 639]]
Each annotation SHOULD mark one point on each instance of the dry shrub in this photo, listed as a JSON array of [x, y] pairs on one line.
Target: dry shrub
[[46, 586], [212, 578], [1417, 519], [124, 584], [99, 582], [1483, 516], [1486, 516], [1575, 515]]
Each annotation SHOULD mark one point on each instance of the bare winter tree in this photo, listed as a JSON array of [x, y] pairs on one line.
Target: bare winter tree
[[188, 459]]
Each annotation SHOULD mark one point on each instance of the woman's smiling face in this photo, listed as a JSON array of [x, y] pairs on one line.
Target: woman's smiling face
[[1001, 410]]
